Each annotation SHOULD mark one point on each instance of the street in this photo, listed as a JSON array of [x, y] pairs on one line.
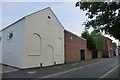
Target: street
[[93, 71], [96, 68]]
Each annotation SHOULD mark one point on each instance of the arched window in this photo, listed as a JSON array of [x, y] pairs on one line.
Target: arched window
[[34, 47], [59, 46]]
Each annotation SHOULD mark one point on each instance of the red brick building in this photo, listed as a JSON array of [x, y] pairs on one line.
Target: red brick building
[[75, 48], [109, 48], [114, 48]]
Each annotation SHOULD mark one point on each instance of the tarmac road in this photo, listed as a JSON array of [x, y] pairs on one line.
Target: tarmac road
[[96, 68], [94, 71]]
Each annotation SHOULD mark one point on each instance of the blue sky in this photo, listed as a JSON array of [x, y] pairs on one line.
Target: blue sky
[[70, 16]]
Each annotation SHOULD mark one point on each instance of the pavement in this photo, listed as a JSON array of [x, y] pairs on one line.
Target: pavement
[[94, 68], [6, 69]]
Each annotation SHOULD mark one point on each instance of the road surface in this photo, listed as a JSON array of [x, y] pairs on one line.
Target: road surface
[[96, 68], [105, 69]]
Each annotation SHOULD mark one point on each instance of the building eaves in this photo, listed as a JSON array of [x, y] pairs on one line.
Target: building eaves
[[13, 23], [109, 38], [75, 35]]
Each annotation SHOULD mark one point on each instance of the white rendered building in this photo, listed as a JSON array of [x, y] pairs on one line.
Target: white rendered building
[[0, 46], [35, 40]]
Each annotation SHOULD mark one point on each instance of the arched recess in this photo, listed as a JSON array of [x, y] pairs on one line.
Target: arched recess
[[59, 46], [48, 56], [35, 44]]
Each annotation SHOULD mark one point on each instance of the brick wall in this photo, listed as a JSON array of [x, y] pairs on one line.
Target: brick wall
[[73, 45], [110, 47], [88, 54], [99, 54], [114, 48]]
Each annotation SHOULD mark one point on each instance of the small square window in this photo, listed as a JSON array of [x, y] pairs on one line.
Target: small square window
[[10, 35]]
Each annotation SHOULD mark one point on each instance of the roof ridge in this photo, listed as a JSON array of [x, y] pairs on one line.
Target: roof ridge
[[24, 17]]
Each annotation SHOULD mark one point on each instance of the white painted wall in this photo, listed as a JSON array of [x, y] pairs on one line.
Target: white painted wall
[[37, 39], [13, 49], [1, 47], [44, 40]]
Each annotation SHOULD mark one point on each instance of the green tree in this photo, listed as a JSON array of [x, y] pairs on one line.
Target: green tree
[[99, 42], [90, 40], [102, 16], [95, 41]]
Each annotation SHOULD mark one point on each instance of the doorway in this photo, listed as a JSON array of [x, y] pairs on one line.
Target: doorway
[[94, 54], [82, 54]]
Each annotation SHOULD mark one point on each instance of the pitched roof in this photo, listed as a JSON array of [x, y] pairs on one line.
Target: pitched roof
[[13, 23], [32, 14]]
